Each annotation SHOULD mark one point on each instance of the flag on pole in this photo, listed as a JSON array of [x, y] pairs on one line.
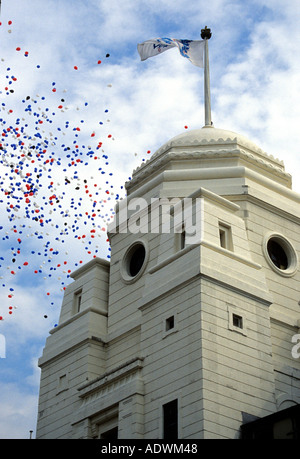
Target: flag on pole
[[190, 49]]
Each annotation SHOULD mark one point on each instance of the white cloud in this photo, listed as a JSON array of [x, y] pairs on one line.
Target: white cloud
[[18, 412], [258, 94]]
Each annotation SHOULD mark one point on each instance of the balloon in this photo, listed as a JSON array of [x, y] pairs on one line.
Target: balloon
[[45, 182]]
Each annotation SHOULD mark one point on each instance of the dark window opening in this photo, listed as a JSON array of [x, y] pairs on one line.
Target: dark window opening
[[182, 240], [237, 321], [137, 260], [77, 301], [78, 298], [222, 238], [170, 323], [225, 236], [284, 424], [111, 434], [277, 254], [170, 418]]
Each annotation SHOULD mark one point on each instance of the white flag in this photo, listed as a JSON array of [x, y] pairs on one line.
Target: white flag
[[191, 49]]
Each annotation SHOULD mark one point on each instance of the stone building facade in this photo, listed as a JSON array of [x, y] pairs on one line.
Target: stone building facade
[[182, 337]]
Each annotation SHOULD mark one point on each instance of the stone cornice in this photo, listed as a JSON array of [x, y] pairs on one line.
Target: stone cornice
[[205, 144], [99, 262], [266, 205], [110, 377], [228, 144], [106, 391], [156, 163]]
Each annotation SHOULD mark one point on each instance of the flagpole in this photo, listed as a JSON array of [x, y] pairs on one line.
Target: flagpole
[[205, 35]]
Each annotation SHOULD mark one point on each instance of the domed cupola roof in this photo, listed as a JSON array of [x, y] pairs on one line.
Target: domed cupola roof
[[210, 147], [206, 137]]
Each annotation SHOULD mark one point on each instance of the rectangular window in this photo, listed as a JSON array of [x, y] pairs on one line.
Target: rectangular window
[[111, 434], [170, 420], [62, 383], [222, 234], [237, 321], [77, 301], [225, 236], [170, 322], [182, 239]]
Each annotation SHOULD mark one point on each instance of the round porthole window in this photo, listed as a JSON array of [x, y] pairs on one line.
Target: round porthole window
[[134, 262], [280, 254]]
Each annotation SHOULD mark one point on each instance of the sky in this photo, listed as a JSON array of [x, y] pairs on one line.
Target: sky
[[79, 112]]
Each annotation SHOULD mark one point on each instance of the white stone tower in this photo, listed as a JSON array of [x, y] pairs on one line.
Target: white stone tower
[[173, 339]]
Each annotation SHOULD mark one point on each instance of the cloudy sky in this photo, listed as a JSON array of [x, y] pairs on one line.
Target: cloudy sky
[[79, 111]]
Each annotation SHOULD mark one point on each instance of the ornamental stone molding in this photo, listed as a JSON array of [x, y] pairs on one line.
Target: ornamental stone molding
[[209, 143]]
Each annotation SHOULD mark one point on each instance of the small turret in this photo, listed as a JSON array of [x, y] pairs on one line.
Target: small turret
[[75, 350]]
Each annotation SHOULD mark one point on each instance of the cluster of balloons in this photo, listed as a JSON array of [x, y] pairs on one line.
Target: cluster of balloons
[[49, 201]]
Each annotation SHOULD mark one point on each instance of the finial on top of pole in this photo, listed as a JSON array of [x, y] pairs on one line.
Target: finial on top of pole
[[205, 33]]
